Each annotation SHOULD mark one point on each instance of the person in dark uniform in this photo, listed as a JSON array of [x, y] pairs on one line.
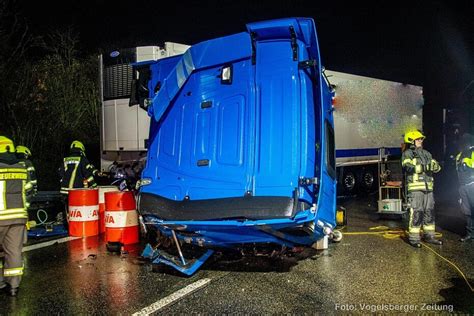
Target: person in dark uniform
[[77, 171], [14, 187], [419, 166], [23, 154], [465, 170]]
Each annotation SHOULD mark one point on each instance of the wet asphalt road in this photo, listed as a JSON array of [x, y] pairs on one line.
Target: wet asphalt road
[[361, 274]]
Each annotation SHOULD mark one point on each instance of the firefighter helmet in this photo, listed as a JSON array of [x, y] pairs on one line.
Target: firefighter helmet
[[6, 145], [412, 135], [23, 150], [79, 145]]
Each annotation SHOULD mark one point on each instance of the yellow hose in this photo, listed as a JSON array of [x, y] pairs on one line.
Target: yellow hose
[[398, 232]]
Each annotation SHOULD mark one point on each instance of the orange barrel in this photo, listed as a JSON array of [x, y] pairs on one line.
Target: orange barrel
[[121, 218], [102, 190], [83, 214]]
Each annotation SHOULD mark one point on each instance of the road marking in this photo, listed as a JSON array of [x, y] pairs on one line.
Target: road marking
[[48, 243], [172, 298]]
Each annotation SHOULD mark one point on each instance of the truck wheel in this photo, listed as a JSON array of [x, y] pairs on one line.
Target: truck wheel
[[368, 180], [349, 182]]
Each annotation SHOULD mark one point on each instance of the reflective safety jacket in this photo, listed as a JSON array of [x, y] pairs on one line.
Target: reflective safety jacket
[[77, 172], [465, 166], [14, 186], [419, 167]]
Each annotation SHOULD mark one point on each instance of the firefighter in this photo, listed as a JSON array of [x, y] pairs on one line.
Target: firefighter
[[14, 186], [419, 166], [77, 171], [465, 170], [23, 154]]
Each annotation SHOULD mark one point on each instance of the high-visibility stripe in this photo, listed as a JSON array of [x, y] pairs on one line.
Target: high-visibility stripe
[[469, 161], [414, 230], [20, 170], [23, 193], [72, 160], [420, 186], [3, 198], [12, 272], [13, 176], [13, 216], [12, 211], [73, 176], [429, 228], [418, 169]]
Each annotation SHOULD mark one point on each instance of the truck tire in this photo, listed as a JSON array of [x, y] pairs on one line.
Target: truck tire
[[349, 182], [368, 180]]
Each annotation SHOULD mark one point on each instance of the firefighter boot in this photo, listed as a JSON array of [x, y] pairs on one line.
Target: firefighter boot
[[415, 243], [469, 228], [433, 240]]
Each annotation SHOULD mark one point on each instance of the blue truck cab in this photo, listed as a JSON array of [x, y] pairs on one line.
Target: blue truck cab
[[241, 145]]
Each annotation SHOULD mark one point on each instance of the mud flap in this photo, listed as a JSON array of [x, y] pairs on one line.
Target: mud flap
[[188, 268]]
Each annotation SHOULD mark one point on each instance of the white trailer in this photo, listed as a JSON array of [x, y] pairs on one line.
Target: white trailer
[[124, 128], [370, 114]]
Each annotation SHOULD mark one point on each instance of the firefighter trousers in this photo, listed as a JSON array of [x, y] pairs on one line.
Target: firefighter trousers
[[12, 238], [466, 192], [421, 215]]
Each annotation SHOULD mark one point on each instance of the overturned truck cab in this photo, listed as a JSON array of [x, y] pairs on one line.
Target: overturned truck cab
[[241, 146]]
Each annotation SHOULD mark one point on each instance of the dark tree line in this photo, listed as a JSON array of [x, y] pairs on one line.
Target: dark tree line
[[49, 93]]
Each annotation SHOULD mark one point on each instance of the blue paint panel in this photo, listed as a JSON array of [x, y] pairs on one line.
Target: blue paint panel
[[278, 108], [201, 133], [230, 132], [215, 134]]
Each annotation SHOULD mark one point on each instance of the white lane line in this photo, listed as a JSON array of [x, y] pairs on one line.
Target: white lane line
[[48, 243], [172, 298]]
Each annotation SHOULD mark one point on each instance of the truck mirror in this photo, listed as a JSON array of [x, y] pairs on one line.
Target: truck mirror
[[140, 93]]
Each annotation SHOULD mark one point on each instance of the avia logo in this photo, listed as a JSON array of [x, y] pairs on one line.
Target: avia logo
[[78, 214], [75, 213], [109, 219]]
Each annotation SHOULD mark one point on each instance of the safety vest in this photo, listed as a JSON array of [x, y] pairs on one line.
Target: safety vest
[[419, 167], [14, 185], [465, 165]]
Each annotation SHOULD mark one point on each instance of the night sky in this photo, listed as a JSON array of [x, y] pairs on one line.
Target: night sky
[[428, 43]]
